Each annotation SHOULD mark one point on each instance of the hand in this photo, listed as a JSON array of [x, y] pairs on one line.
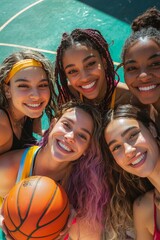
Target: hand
[[71, 220]]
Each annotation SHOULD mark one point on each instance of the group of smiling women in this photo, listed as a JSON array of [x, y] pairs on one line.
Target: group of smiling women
[[102, 144]]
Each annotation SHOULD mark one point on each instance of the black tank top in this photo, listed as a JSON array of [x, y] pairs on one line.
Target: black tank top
[[26, 135]]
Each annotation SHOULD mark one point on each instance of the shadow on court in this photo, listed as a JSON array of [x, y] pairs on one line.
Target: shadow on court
[[124, 10]]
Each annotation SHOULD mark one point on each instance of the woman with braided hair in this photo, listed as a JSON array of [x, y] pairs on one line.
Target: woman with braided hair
[[84, 70]]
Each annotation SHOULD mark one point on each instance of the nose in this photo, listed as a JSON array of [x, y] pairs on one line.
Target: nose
[[84, 75], [34, 94], [69, 136], [129, 150], [144, 75]]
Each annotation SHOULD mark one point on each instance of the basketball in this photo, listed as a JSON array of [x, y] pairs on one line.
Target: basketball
[[37, 208]]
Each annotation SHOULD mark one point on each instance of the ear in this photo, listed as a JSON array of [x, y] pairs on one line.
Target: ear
[[153, 130], [7, 91]]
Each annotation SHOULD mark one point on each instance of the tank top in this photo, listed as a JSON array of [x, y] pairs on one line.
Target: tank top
[[156, 235], [25, 170], [26, 135]]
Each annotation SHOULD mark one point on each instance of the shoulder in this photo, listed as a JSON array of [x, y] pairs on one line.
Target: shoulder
[[82, 230], [9, 165], [122, 94], [143, 207]]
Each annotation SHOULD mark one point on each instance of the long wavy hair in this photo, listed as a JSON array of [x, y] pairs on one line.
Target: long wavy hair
[[85, 182], [124, 187], [7, 65], [91, 38]]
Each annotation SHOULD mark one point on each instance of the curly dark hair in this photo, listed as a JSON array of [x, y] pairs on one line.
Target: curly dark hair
[[149, 18]]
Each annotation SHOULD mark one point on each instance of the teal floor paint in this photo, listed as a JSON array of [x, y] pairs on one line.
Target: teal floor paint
[[42, 25]]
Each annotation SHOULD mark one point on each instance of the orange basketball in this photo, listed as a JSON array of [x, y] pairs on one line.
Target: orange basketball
[[36, 208]]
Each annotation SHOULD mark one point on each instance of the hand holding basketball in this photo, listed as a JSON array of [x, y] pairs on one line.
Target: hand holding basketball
[[36, 208]]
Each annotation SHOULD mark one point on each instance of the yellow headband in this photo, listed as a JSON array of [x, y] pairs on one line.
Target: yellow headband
[[20, 65]]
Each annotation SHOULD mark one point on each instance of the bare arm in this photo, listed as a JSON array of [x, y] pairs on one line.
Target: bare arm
[[9, 165], [124, 96], [5, 133], [143, 219]]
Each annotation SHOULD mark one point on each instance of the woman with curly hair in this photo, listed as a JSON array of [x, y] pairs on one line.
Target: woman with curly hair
[[132, 149], [84, 70], [26, 91], [141, 59]]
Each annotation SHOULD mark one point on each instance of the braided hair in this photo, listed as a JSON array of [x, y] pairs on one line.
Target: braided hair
[[90, 38]]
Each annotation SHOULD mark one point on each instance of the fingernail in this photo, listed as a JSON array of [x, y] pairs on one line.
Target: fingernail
[[66, 237], [74, 221]]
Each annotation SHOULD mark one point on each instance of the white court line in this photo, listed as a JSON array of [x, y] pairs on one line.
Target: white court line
[[21, 46], [35, 49], [16, 15]]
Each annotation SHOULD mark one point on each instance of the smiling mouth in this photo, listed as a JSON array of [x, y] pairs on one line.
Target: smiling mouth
[[33, 105], [64, 147], [88, 86], [148, 88], [139, 160]]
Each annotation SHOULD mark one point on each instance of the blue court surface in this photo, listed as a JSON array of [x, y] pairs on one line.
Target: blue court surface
[[39, 24]]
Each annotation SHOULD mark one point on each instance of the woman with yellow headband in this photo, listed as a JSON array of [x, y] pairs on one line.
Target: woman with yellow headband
[[26, 90]]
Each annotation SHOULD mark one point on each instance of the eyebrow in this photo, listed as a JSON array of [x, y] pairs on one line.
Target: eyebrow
[[84, 129], [133, 61], [155, 55], [26, 80], [123, 134], [84, 60]]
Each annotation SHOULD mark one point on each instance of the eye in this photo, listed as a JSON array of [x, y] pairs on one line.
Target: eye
[[81, 135], [66, 125], [115, 148], [44, 85], [71, 72], [134, 135], [90, 64], [22, 85], [156, 64], [130, 68]]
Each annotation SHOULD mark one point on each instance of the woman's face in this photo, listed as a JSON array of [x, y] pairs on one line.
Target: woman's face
[[85, 71], [142, 70], [71, 135], [133, 146], [29, 92]]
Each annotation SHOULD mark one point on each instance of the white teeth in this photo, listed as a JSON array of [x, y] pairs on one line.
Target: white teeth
[[89, 85], [147, 88], [138, 160], [33, 105], [64, 147]]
